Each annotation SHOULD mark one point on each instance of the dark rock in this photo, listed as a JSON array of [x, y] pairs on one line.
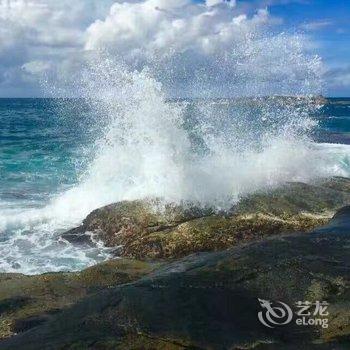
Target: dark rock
[[26, 301], [210, 300], [12, 304], [28, 323], [152, 230]]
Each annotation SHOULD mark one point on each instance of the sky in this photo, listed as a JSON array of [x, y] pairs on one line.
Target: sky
[[328, 24], [45, 42]]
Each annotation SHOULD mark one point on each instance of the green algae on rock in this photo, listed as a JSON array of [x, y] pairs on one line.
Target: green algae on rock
[[149, 229], [210, 300], [26, 301]]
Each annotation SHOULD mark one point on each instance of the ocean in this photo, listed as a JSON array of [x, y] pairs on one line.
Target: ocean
[[62, 158]]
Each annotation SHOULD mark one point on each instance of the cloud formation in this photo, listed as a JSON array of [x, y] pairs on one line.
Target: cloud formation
[[162, 28], [46, 31], [190, 44], [317, 25], [205, 49], [339, 77]]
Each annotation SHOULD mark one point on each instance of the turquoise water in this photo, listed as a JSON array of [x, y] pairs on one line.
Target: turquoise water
[[46, 147], [38, 152], [43, 145], [42, 148]]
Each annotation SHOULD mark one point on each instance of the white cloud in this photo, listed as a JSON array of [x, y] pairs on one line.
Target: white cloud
[[339, 77], [210, 3], [36, 67], [317, 25], [48, 31], [197, 47], [158, 27], [41, 23], [188, 44]]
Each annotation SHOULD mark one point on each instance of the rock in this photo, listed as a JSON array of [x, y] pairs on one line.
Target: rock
[[210, 300], [144, 229], [27, 301]]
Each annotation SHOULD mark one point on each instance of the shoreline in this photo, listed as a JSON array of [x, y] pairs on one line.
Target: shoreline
[[153, 262]]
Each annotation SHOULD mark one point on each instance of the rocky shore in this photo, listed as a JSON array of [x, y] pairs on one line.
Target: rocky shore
[[191, 278], [153, 230]]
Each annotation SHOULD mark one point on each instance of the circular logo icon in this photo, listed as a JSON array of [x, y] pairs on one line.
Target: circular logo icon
[[274, 314]]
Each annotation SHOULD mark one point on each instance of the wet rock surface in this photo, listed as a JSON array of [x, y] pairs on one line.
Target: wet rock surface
[[151, 230], [27, 301], [205, 300], [210, 300]]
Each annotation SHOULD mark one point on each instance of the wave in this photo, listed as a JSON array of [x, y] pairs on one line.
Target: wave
[[200, 150], [34, 244]]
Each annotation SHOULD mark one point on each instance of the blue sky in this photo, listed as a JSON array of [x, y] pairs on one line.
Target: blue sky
[[50, 36], [328, 23]]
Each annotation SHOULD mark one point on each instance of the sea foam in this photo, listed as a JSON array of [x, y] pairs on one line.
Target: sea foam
[[207, 150]]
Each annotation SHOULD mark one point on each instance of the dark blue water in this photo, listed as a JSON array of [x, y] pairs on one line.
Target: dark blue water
[[335, 121]]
